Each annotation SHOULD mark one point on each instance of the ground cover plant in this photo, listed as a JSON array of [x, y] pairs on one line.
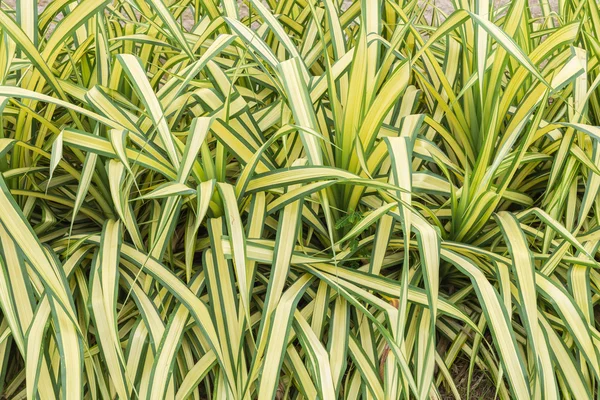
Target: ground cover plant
[[299, 199]]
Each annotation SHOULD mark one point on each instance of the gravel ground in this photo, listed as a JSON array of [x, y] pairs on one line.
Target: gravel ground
[[443, 5]]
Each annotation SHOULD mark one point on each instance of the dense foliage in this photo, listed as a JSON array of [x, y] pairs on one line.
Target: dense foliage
[[306, 199]]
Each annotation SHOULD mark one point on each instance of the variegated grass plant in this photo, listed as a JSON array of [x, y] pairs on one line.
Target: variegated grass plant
[[305, 200]]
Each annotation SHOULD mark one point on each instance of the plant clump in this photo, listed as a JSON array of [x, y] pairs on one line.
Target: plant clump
[[306, 199]]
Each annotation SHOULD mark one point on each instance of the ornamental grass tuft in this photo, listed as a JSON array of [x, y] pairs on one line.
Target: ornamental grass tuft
[[299, 199]]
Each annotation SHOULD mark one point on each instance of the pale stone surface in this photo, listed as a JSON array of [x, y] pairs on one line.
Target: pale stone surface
[[444, 5]]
